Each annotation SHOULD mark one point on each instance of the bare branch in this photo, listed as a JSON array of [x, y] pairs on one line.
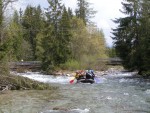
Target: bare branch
[[5, 3]]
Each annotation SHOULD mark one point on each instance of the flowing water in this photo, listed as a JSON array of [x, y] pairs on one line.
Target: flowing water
[[113, 93]]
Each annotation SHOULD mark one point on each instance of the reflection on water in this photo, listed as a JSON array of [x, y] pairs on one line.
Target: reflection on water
[[117, 93]]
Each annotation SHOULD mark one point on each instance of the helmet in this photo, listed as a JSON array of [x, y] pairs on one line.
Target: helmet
[[77, 72], [90, 71]]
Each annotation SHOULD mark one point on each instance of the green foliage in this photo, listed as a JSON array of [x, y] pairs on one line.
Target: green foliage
[[39, 49], [15, 34], [96, 45], [4, 67], [70, 13], [78, 42], [56, 42], [65, 37], [33, 23], [56, 37], [84, 11], [111, 52], [87, 45], [1, 14], [132, 36], [71, 65]]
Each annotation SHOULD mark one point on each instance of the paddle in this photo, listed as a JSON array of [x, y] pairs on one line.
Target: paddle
[[72, 80]]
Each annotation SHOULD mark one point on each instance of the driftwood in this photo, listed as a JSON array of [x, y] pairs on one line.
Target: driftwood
[[4, 88], [60, 109]]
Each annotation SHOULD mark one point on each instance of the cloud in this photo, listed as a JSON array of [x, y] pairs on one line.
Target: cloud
[[23, 3]]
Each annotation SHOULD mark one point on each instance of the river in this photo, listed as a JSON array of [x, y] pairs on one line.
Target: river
[[113, 93]]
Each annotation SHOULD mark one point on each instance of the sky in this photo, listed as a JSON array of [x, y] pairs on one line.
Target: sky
[[107, 10]]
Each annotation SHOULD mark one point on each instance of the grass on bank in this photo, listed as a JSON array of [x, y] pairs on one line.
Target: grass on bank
[[22, 83]]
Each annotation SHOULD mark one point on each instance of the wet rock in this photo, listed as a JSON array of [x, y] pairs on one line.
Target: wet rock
[[60, 109]]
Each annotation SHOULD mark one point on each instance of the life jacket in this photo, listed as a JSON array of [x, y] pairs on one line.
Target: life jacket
[[80, 74], [90, 74]]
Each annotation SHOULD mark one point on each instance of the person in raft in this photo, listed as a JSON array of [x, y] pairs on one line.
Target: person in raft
[[90, 74], [80, 75]]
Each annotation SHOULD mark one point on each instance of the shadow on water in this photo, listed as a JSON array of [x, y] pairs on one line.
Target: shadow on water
[[114, 94]]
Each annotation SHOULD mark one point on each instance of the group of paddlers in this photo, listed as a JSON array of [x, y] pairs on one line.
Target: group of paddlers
[[84, 76], [87, 74]]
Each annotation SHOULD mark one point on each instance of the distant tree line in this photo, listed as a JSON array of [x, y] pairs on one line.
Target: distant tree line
[[57, 36], [132, 36]]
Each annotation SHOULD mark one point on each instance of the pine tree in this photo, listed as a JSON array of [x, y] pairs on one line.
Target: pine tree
[[51, 44], [84, 11], [65, 37], [70, 13], [54, 13], [29, 31], [4, 39], [5, 43], [40, 25], [145, 37], [130, 39], [15, 34], [33, 23], [127, 35]]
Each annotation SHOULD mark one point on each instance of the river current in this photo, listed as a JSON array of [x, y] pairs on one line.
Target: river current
[[113, 93]]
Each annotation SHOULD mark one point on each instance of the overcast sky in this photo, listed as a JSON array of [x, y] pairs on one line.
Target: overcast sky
[[106, 11]]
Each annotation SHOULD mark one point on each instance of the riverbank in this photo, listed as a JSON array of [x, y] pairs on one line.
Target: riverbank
[[14, 82]]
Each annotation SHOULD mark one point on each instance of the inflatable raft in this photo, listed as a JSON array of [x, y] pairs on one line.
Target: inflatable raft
[[86, 81]]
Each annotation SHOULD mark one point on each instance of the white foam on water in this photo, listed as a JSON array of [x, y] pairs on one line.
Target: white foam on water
[[68, 111], [127, 94], [46, 78], [121, 74], [127, 80], [81, 111], [53, 79], [99, 80], [109, 98], [147, 91]]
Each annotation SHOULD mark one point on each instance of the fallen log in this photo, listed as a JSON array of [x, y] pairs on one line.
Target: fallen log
[[4, 88]]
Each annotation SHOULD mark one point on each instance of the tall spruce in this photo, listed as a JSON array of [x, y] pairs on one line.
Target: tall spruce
[[129, 36], [145, 37], [15, 34], [29, 28], [4, 39], [40, 25], [65, 37], [52, 49], [126, 35], [32, 22], [70, 13], [54, 13], [5, 43], [84, 11]]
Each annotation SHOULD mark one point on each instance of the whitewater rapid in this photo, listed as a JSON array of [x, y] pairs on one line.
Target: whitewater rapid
[[116, 92]]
